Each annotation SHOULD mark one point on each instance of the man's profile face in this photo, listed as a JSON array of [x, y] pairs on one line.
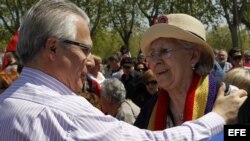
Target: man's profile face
[[74, 58]]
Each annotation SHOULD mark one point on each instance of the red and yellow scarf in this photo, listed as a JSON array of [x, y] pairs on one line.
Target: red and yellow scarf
[[199, 100]]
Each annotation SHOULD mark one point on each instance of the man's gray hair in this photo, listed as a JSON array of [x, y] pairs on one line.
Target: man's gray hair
[[47, 18], [114, 87]]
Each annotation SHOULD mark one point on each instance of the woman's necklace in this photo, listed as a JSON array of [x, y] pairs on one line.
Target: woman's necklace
[[181, 117]]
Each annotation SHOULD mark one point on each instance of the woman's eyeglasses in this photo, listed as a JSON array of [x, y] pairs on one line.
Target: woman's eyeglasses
[[163, 53], [152, 82]]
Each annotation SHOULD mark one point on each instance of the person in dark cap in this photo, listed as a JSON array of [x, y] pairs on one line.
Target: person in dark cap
[[131, 79]]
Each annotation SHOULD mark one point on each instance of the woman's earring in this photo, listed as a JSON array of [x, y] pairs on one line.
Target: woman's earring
[[193, 66]]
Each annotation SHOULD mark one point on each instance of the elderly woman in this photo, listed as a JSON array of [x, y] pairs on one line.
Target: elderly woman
[[113, 101], [182, 62]]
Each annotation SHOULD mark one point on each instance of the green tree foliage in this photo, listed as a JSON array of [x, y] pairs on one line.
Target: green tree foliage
[[106, 43], [220, 38], [245, 18], [245, 39], [97, 11], [5, 37], [11, 12], [135, 45], [201, 9], [150, 9], [235, 12], [124, 18]]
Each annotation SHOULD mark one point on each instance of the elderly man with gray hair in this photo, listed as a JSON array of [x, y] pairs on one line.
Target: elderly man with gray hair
[[113, 101]]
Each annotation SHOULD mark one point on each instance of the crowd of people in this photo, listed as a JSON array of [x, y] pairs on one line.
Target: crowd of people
[[174, 88]]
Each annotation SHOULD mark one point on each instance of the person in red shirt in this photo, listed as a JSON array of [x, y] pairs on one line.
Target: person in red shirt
[[247, 58]]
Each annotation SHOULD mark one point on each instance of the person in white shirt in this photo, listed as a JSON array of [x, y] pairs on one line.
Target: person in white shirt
[[222, 60], [43, 105]]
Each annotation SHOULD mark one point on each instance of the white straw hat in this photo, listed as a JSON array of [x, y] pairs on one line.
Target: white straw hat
[[178, 26]]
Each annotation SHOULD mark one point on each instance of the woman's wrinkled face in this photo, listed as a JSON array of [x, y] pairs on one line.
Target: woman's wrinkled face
[[170, 62]]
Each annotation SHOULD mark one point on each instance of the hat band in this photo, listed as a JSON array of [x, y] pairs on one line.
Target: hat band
[[197, 35]]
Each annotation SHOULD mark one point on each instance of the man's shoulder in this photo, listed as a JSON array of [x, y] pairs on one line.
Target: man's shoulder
[[52, 101], [71, 105]]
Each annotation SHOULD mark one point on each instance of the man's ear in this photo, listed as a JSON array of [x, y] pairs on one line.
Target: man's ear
[[50, 48], [51, 44], [53, 49]]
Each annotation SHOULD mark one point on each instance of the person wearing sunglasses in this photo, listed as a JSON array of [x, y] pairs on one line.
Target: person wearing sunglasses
[[150, 82], [43, 103], [141, 67], [131, 79], [152, 88], [236, 57]]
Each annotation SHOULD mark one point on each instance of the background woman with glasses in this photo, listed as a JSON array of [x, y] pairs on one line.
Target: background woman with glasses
[[151, 85], [236, 57], [150, 82]]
